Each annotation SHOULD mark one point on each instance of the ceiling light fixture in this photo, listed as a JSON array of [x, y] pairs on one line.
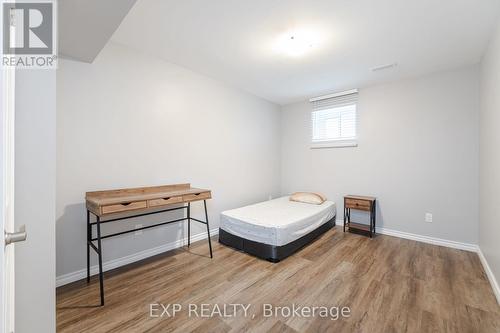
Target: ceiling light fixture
[[296, 43]]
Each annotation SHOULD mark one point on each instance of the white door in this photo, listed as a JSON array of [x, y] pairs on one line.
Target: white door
[[2, 217], [9, 238], [31, 93], [2, 209], [7, 201], [6, 253]]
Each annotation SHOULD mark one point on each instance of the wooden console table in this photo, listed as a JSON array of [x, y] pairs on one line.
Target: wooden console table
[[140, 201], [364, 203]]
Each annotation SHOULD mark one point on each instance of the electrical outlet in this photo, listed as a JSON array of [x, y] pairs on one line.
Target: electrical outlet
[[138, 232], [428, 217]]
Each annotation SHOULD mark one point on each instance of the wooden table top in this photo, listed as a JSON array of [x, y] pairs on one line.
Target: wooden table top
[[103, 198], [360, 197]]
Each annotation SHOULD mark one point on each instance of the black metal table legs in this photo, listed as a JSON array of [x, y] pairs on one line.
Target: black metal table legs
[[97, 249], [99, 237], [208, 229], [99, 245], [189, 223], [345, 220], [373, 214], [347, 217], [89, 237]]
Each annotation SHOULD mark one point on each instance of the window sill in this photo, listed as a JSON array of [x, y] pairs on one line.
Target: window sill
[[334, 144]]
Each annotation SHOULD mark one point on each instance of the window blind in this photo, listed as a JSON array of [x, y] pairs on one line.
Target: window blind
[[333, 119]]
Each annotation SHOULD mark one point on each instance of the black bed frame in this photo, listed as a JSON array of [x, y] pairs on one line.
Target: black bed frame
[[272, 253]]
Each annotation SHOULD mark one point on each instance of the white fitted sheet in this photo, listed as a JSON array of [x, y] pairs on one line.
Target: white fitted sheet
[[276, 222]]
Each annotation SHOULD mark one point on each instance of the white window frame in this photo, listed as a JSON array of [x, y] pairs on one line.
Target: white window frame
[[336, 143]]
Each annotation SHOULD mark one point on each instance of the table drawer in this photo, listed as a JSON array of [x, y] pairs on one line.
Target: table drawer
[[164, 201], [196, 196], [357, 204], [123, 207]]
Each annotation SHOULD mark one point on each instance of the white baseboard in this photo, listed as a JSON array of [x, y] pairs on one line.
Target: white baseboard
[[425, 239], [115, 263], [489, 273]]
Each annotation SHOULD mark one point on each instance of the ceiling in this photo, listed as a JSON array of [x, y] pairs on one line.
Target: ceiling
[[234, 40], [85, 26]]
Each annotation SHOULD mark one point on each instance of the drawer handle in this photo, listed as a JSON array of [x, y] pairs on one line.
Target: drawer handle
[[167, 198], [197, 193], [357, 204], [126, 203]]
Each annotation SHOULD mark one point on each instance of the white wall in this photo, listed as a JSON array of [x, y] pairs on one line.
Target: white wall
[[418, 153], [131, 120], [2, 190], [489, 225], [35, 198]]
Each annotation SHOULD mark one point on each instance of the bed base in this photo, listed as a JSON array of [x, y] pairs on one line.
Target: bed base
[[272, 253]]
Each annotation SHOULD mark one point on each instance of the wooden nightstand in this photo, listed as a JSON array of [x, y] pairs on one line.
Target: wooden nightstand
[[363, 203]]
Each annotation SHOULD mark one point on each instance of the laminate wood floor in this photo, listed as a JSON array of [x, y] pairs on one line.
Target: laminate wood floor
[[389, 284]]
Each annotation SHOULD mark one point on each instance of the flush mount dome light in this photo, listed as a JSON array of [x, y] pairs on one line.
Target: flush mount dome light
[[296, 43]]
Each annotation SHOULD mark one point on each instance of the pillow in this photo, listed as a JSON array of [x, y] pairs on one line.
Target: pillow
[[308, 197]]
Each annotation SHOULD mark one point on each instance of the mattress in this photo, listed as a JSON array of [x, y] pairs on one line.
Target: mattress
[[276, 222]]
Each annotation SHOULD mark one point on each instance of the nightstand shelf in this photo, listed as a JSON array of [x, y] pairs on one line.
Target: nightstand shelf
[[358, 226], [362, 203]]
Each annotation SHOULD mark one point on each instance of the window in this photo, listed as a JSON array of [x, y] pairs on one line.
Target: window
[[333, 120]]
